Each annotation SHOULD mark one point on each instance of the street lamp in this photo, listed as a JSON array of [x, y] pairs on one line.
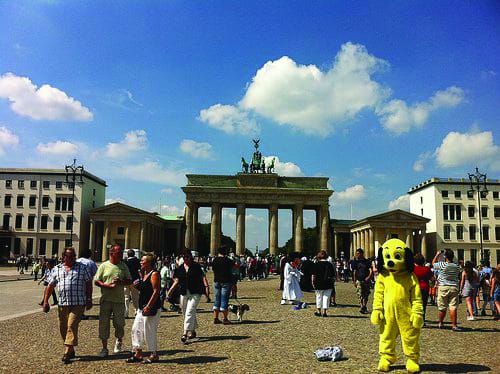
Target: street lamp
[[478, 184], [74, 174]]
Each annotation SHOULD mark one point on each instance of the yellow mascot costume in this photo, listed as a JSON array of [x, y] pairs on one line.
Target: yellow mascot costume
[[397, 305]]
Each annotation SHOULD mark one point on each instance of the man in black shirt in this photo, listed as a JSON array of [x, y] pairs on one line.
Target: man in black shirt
[[222, 266], [131, 293], [362, 276]]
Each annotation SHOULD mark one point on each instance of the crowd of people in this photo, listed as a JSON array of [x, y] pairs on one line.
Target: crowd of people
[[148, 284]]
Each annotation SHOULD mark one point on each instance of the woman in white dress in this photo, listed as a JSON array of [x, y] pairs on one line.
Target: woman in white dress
[[291, 285]]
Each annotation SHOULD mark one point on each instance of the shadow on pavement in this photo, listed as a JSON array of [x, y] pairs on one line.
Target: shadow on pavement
[[193, 360], [251, 298], [254, 322], [221, 337], [346, 316], [449, 368]]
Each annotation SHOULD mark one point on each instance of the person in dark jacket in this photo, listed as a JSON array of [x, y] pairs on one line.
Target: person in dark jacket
[[322, 280], [222, 267]]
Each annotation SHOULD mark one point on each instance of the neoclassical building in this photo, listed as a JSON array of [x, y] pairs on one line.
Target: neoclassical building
[[250, 190]]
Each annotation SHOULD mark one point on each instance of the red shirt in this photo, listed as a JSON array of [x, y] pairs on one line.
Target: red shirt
[[424, 274]]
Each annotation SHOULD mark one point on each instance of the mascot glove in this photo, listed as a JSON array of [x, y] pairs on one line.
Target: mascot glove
[[416, 320], [377, 317]]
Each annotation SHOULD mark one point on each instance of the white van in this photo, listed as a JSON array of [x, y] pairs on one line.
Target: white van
[[138, 253]]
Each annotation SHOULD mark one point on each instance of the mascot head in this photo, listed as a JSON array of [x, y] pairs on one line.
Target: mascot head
[[394, 257]]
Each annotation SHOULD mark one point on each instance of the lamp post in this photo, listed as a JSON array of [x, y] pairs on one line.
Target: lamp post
[[478, 183], [74, 174]]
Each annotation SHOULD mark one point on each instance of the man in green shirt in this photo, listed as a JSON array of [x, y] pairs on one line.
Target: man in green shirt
[[111, 276]]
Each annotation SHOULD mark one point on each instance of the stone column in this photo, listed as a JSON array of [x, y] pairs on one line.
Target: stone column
[[423, 245], [371, 245], [318, 229], [91, 238], [273, 229], [240, 229], [324, 228], [336, 244], [141, 237], [194, 234], [387, 236], [188, 240], [408, 239], [298, 224], [127, 235], [215, 229], [105, 239]]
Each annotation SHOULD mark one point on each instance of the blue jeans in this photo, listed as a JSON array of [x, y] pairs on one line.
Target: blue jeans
[[222, 291]]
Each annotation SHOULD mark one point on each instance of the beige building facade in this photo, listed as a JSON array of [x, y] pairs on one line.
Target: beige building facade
[[250, 190], [455, 215], [36, 211], [133, 228]]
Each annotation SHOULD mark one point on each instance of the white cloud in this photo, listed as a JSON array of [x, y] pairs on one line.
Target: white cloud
[[134, 141], [44, 103], [170, 210], [286, 169], [398, 118], [230, 119], [350, 194], [7, 139], [402, 202], [468, 149], [195, 149], [312, 101], [152, 171], [167, 191], [421, 160], [112, 200], [62, 148]]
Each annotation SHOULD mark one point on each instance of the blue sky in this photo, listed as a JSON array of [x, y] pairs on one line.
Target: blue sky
[[378, 96]]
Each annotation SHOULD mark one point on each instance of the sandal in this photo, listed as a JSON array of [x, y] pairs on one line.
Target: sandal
[[151, 359], [133, 359], [66, 359], [184, 338]]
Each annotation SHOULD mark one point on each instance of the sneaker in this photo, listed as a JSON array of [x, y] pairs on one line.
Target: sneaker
[[104, 353], [227, 322], [283, 302], [118, 346], [470, 318], [217, 321], [456, 328]]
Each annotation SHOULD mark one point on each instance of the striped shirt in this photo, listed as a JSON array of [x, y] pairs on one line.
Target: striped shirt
[[449, 273], [71, 285]]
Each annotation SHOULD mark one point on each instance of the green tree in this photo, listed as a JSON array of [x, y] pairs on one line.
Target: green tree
[[203, 235], [310, 236]]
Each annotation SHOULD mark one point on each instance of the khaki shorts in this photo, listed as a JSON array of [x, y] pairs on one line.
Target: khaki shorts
[[447, 297]]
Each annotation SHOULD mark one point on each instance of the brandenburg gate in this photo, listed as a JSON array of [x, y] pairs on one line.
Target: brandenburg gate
[[264, 190]]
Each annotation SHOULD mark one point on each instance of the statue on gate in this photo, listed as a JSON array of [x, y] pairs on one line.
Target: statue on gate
[[258, 163], [270, 167], [244, 165], [255, 165]]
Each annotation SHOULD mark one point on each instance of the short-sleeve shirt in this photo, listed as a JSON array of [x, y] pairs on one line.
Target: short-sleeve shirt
[[449, 273], [89, 263], [222, 267], [71, 285], [106, 273], [362, 268], [324, 275], [191, 280], [423, 274]]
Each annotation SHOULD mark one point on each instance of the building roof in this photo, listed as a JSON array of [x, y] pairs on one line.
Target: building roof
[[172, 218], [49, 172], [449, 181]]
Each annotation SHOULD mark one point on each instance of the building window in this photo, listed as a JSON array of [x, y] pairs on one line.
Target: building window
[[29, 246], [45, 201], [452, 212], [447, 231], [495, 194], [69, 223], [43, 247], [93, 192], [44, 222], [484, 194], [67, 243], [20, 183], [484, 212], [55, 246], [445, 212], [458, 194], [31, 222], [486, 233], [59, 185], [7, 201], [57, 223], [460, 232], [470, 194], [33, 184], [19, 221], [121, 230], [17, 246], [422, 212], [8, 183], [486, 254], [6, 221], [20, 201], [93, 204], [460, 254], [70, 203], [471, 211], [421, 199], [46, 185], [496, 211], [444, 193], [497, 233], [472, 232], [32, 201], [473, 256], [64, 203]]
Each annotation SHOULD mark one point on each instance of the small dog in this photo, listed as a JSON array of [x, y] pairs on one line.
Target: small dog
[[239, 310]]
